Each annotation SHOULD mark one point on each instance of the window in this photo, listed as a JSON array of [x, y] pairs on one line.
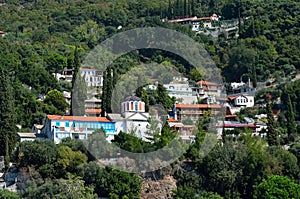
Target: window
[[57, 124], [139, 134], [131, 107], [67, 124]]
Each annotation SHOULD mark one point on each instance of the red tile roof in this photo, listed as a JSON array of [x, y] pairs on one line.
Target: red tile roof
[[236, 126], [90, 69], [200, 106], [231, 116], [78, 118], [92, 111], [172, 120], [207, 83], [233, 97]]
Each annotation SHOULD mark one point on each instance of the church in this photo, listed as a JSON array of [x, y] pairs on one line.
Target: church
[[133, 117]]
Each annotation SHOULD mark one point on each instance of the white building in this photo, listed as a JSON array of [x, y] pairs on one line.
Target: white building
[[242, 100], [93, 77], [180, 89], [29, 136], [133, 117]]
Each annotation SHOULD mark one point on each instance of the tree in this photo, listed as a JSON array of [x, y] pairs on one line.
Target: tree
[[111, 183], [56, 63], [290, 116], [79, 88], [56, 99], [79, 95], [277, 187], [68, 160], [107, 91], [5, 194], [39, 154], [71, 188], [287, 162], [8, 136], [104, 96], [163, 98], [272, 134]]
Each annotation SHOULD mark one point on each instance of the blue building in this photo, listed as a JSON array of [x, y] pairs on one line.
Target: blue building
[[58, 127]]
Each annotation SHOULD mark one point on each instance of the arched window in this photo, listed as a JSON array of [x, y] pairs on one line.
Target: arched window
[[136, 106], [139, 134], [131, 108]]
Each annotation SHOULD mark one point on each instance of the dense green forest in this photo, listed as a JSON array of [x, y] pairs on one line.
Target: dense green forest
[[43, 37]]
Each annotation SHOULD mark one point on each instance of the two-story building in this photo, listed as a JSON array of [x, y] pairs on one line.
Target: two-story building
[[194, 111], [206, 89], [242, 100], [181, 90], [58, 127]]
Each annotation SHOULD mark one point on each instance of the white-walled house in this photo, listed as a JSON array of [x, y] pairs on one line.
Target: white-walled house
[[181, 90], [92, 77], [242, 100]]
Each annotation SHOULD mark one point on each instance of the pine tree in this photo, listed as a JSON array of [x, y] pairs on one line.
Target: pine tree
[[272, 134], [290, 116], [8, 133]]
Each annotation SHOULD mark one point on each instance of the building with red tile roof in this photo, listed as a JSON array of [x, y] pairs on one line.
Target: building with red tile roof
[[195, 111], [58, 127]]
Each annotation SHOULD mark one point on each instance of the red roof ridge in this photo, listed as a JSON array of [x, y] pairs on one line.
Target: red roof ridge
[[198, 106], [78, 118], [207, 83]]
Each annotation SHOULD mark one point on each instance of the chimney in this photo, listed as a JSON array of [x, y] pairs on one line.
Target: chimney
[[156, 113], [249, 83]]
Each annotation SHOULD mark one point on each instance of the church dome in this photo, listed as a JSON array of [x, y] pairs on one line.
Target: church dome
[[132, 98], [133, 104]]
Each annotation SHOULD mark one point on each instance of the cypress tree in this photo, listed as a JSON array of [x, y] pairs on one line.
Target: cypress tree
[[8, 135], [104, 94], [290, 116], [79, 95], [75, 72], [192, 7], [169, 13], [109, 90], [272, 134], [184, 8], [7, 156]]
